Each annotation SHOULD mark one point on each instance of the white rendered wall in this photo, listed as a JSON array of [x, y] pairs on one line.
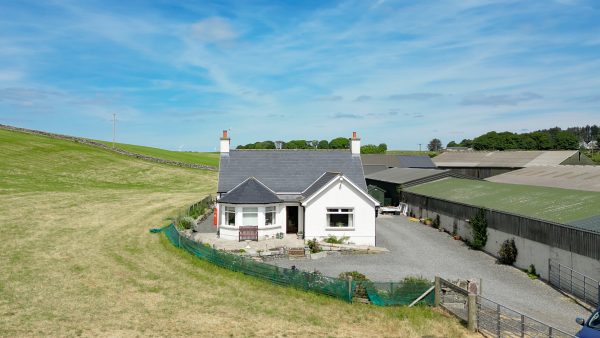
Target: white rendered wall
[[232, 232], [341, 195]]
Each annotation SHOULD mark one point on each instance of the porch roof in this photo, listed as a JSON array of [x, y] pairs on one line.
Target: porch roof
[[251, 191]]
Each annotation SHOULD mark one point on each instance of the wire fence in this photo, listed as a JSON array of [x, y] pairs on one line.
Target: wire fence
[[577, 284], [496, 320], [409, 291]]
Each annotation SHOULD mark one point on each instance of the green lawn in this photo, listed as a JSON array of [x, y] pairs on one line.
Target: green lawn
[[211, 159], [554, 204], [77, 258]]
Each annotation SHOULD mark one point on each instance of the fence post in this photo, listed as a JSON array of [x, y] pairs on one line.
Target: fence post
[[522, 325], [472, 312], [350, 289], [571, 270], [598, 294], [498, 320], [559, 276], [584, 294], [437, 293]]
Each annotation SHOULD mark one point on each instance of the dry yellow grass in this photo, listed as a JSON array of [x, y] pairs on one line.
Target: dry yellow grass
[[77, 259]]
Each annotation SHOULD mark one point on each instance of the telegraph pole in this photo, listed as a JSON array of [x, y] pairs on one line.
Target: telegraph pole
[[114, 128], [419, 148]]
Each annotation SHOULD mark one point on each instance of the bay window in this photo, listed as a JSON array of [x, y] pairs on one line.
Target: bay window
[[250, 216], [230, 216], [270, 215]]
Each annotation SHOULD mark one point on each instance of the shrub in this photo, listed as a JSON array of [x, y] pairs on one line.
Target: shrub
[[436, 222], [186, 222], [508, 252], [313, 245], [334, 240], [532, 273], [362, 282], [479, 226]]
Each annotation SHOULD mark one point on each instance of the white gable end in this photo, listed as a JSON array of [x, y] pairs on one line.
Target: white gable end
[[340, 209]]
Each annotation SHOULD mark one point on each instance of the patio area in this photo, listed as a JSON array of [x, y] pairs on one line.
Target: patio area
[[288, 241]]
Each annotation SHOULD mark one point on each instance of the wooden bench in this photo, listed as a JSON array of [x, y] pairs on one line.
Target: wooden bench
[[248, 233]]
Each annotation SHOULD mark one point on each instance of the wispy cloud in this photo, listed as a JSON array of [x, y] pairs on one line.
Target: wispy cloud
[[329, 98], [213, 29], [499, 100], [347, 116], [362, 98], [414, 96]]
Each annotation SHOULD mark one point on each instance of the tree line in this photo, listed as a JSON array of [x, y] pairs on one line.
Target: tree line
[[544, 139], [336, 143]]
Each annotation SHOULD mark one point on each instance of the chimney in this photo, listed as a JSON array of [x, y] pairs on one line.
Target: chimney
[[355, 145], [225, 143]]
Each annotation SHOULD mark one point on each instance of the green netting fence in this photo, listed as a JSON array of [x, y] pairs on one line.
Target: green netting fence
[[378, 293]]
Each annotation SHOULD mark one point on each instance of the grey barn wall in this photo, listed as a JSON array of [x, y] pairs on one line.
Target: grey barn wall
[[530, 251]]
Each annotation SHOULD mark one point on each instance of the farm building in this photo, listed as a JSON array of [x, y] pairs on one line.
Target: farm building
[[378, 162], [393, 180], [309, 193], [564, 176], [483, 164]]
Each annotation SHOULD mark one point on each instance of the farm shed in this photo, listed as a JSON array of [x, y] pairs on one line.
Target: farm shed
[[564, 176], [484, 164], [393, 180], [377, 193], [373, 163]]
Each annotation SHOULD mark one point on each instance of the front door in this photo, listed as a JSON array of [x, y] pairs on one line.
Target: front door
[[292, 219]]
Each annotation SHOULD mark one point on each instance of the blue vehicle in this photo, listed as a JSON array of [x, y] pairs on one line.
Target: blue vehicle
[[591, 327]]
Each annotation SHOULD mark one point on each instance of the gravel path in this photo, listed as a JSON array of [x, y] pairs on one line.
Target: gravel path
[[418, 250]]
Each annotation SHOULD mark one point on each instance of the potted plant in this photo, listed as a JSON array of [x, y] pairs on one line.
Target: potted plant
[[428, 221]]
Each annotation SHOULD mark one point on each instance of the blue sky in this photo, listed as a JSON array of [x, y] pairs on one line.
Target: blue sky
[[401, 72]]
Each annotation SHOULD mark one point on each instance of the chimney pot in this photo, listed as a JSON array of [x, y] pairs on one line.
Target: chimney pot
[[224, 133], [354, 135]]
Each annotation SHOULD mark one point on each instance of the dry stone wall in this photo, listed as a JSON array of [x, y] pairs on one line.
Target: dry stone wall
[[105, 147]]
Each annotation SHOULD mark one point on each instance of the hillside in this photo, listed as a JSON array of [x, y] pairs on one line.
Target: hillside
[[211, 159], [77, 258], [554, 204]]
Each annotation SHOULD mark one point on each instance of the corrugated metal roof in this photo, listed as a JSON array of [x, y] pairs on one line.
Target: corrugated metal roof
[[592, 223], [370, 169], [397, 161], [415, 161], [404, 175], [287, 171], [563, 176], [502, 159]]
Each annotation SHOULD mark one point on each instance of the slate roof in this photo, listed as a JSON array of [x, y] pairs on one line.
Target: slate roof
[[287, 171], [251, 191], [319, 183]]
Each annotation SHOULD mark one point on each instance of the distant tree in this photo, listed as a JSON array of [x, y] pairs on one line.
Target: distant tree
[[297, 144], [566, 140], [314, 144], [435, 145], [339, 143], [373, 149], [542, 140], [323, 144], [452, 144], [466, 143]]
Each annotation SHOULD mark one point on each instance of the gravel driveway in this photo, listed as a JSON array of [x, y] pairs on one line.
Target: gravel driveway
[[418, 250]]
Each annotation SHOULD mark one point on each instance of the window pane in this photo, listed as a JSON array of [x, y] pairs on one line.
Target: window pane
[[230, 209], [338, 220], [250, 209], [345, 210], [269, 218], [332, 210], [230, 216]]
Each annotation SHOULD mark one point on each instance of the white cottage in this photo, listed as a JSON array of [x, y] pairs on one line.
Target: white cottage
[[312, 193]]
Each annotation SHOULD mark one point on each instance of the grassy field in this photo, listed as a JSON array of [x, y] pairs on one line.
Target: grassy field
[[211, 159], [77, 258], [554, 204], [412, 152]]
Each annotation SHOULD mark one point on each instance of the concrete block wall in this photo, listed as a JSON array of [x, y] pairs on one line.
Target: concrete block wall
[[529, 252]]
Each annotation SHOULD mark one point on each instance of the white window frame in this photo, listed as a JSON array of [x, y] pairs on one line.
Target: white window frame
[[247, 211], [227, 211], [271, 210], [340, 211]]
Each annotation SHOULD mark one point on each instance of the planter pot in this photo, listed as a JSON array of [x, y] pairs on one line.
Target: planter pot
[[456, 237], [428, 223]]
